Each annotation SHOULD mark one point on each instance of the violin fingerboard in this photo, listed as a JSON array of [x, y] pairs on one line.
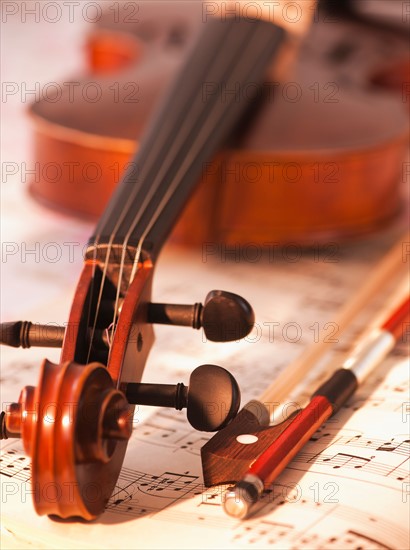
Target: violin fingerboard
[[207, 99]]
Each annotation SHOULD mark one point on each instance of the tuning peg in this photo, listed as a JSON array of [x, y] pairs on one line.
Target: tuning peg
[[212, 398], [224, 316], [25, 334]]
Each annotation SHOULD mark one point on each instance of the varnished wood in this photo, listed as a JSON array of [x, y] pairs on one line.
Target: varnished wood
[[81, 442], [324, 167], [65, 405], [71, 451], [135, 336], [67, 400], [76, 332], [225, 459]]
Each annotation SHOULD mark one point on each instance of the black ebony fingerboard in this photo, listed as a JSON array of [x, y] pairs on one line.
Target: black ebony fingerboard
[[202, 107]]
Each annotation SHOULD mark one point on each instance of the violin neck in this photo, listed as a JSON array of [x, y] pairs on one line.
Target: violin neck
[[199, 112]]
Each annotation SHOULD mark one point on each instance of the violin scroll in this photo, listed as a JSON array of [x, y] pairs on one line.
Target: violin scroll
[[74, 426], [75, 423]]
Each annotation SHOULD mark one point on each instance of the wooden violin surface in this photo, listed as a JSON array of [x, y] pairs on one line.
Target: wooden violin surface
[[318, 158], [90, 142]]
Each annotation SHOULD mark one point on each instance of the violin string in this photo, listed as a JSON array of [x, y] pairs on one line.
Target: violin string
[[197, 138], [197, 143], [185, 129], [160, 142], [119, 220]]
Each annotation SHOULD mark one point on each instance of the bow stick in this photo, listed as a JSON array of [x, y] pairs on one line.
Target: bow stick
[[324, 403], [226, 457]]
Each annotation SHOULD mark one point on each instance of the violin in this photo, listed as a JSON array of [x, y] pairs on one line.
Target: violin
[[317, 157], [76, 423]]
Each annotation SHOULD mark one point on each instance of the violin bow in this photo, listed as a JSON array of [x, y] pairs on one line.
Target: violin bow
[[109, 333], [227, 456], [324, 403]]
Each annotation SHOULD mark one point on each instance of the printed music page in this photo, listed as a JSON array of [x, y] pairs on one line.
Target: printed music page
[[349, 487]]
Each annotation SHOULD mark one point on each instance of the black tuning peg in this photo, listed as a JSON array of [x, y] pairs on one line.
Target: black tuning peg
[[25, 334], [224, 316], [212, 398]]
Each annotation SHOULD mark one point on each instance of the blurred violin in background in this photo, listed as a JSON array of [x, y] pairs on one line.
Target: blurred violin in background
[[318, 157]]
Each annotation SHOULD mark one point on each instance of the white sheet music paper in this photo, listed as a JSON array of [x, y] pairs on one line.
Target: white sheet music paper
[[348, 488]]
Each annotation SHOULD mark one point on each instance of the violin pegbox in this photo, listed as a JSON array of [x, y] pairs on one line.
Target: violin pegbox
[[76, 423]]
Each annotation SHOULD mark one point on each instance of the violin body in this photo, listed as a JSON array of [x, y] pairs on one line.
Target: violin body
[[318, 158]]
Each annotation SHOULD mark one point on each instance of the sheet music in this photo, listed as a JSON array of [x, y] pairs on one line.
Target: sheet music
[[349, 487]]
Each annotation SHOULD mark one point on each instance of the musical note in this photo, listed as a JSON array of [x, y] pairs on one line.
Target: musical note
[[14, 464], [353, 540], [349, 540], [315, 525], [342, 460], [372, 464], [162, 429], [168, 483], [266, 532], [138, 493]]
